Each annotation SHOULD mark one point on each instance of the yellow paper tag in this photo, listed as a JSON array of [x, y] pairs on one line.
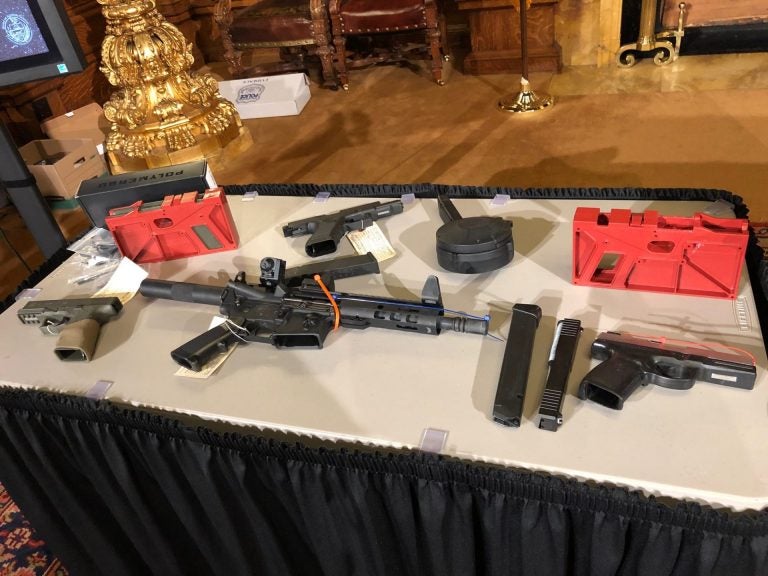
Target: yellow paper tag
[[371, 240]]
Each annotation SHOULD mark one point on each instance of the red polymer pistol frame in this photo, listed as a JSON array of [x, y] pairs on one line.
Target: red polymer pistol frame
[[699, 256], [179, 226]]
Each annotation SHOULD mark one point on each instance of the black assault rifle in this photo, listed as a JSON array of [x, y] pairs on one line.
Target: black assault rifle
[[291, 308]]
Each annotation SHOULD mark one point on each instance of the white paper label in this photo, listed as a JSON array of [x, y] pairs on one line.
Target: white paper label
[[209, 179], [372, 240], [125, 281]]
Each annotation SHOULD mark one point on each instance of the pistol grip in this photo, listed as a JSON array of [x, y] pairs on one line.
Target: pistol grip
[[77, 341], [612, 381], [325, 237], [200, 350]]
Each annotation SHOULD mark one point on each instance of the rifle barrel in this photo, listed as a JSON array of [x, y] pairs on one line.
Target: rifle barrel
[[181, 292]]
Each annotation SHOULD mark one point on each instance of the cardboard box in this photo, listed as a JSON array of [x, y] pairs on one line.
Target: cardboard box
[[87, 122], [98, 196], [266, 96], [59, 166]]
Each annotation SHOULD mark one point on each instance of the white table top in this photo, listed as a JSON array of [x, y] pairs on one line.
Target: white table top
[[385, 387]]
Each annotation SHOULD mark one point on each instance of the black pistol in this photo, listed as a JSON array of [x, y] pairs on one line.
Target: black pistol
[[76, 321], [327, 229], [630, 361]]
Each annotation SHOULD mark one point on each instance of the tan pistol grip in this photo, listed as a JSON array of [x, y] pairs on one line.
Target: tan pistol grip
[[77, 341]]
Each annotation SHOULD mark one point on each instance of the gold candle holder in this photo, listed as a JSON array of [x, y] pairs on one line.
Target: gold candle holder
[[161, 114], [525, 100]]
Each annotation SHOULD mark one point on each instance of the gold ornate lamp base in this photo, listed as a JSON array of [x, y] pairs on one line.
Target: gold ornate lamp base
[[525, 101], [161, 114], [208, 146]]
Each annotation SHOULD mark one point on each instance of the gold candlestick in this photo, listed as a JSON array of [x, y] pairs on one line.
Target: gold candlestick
[[525, 100], [161, 113]]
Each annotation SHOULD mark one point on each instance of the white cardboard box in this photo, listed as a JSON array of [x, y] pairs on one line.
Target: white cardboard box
[[262, 97]]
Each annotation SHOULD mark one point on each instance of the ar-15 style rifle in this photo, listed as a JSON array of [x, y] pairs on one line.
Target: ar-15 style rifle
[[297, 308]]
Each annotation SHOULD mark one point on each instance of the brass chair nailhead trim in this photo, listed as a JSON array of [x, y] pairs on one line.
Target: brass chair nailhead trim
[[388, 29], [286, 43]]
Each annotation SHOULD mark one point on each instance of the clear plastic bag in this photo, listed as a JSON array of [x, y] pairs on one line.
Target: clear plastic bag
[[97, 256]]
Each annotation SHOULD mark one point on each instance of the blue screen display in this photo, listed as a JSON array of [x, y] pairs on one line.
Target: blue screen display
[[19, 32]]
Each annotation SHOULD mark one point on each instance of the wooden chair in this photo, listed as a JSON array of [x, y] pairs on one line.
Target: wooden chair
[[394, 22], [299, 28]]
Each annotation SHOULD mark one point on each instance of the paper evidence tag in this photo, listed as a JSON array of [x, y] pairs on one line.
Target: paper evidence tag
[[371, 240], [125, 281]]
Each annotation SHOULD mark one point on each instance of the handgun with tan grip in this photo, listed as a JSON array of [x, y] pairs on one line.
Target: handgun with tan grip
[[76, 321]]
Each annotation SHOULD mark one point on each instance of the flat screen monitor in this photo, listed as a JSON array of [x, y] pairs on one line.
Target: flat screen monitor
[[36, 42]]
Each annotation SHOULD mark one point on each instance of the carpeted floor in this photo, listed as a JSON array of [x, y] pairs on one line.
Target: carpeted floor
[[700, 123], [22, 553]]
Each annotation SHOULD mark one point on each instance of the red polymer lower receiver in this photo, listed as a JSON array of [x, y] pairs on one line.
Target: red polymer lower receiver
[[180, 226], [700, 256]]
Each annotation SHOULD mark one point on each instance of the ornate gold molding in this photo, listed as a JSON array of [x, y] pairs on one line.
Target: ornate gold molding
[[161, 114]]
